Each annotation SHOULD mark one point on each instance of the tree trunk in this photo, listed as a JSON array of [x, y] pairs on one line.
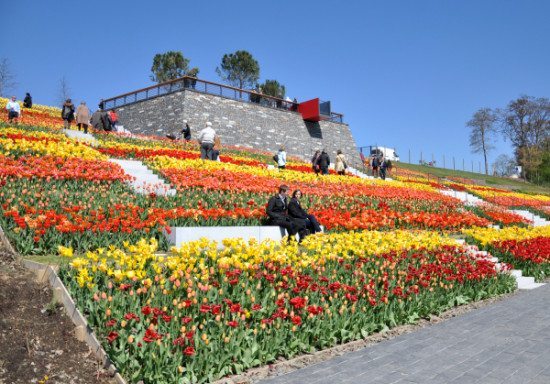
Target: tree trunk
[[484, 151]]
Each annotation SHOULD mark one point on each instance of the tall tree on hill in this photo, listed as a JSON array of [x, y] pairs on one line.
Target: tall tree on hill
[[482, 127], [273, 88], [526, 123], [168, 66], [7, 77], [64, 91], [239, 69]]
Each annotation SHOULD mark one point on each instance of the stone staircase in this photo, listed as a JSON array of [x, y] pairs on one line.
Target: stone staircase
[[465, 197], [81, 137], [535, 219], [358, 173], [523, 282], [144, 180]]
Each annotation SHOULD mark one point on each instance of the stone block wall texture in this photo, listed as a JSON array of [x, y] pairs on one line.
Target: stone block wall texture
[[238, 123]]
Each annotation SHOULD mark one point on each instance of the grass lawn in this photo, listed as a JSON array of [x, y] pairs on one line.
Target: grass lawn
[[46, 259], [479, 178]]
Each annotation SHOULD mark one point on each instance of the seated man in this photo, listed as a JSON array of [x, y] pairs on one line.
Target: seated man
[[296, 211], [278, 215]]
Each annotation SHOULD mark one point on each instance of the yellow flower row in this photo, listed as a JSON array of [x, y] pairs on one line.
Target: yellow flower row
[[198, 257], [491, 235], [159, 145], [137, 144], [490, 193], [62, 148]]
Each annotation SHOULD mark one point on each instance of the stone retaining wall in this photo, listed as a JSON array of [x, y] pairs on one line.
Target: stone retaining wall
[[240, 124]]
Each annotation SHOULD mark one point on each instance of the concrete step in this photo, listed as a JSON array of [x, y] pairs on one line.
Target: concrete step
[[525, 282], [516, 273], [465, 197], [81, 137], [536, 220], [144, 180]]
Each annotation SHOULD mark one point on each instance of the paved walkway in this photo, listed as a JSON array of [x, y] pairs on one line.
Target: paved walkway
[[507, 342]]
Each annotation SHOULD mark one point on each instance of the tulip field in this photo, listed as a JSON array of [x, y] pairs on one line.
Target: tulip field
[[523, 248], [198, 313]]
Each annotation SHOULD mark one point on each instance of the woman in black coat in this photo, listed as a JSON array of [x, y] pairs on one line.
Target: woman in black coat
[[296, 211], [27, 103]]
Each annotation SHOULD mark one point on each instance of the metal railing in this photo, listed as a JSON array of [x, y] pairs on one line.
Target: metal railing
[[211, 88]]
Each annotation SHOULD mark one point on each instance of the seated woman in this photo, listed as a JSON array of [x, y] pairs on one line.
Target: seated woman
[[296, 211]]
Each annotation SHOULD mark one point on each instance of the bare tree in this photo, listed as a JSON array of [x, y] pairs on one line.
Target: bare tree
[[7, 77], [482, 127], [64, 91]]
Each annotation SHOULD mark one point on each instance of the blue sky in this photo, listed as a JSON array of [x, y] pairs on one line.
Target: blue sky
[[405, 74]]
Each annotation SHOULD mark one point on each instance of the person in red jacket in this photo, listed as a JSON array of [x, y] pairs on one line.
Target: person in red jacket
[[113, 118]]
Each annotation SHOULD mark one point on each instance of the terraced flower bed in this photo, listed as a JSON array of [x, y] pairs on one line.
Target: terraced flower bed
[[199, 314], [527, 249], [60, 192]]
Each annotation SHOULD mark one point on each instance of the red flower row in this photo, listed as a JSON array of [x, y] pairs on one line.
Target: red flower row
[[59, 168]]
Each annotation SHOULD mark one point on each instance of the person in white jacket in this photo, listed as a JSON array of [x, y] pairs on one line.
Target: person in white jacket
[[206, 140], [14, 110], [281, 158]]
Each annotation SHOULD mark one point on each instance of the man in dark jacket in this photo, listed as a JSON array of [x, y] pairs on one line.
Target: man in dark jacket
[[27, 102], [296, 211], [100, 120], [383, 166], [278, 215], [323, 161]]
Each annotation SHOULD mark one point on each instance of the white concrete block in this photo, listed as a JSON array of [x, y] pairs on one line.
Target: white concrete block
[[180, 235], [516, 273], [525, 282]]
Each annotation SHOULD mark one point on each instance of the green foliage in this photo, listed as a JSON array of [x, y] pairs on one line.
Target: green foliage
[[544, 168], [169, 66], [193, 72], [239, 69], [273, 88]]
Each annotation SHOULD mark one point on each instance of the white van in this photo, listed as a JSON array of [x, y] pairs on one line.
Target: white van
[[388, 153]]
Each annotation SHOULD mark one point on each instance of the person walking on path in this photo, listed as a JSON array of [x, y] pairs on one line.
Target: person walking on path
[[314, 164], [389, 167], [296, 211], [323, 161], [281, 158], [100, 120], [206, 140], [217, 148], [27, 101], [113, 118], [186, 131], [277, 211], [383, 166], [82, 117], [14, 110], [340, 164], [67, 113], [375, 164]]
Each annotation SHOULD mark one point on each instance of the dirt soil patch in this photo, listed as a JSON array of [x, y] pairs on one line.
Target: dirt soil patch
[[37, 343]]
